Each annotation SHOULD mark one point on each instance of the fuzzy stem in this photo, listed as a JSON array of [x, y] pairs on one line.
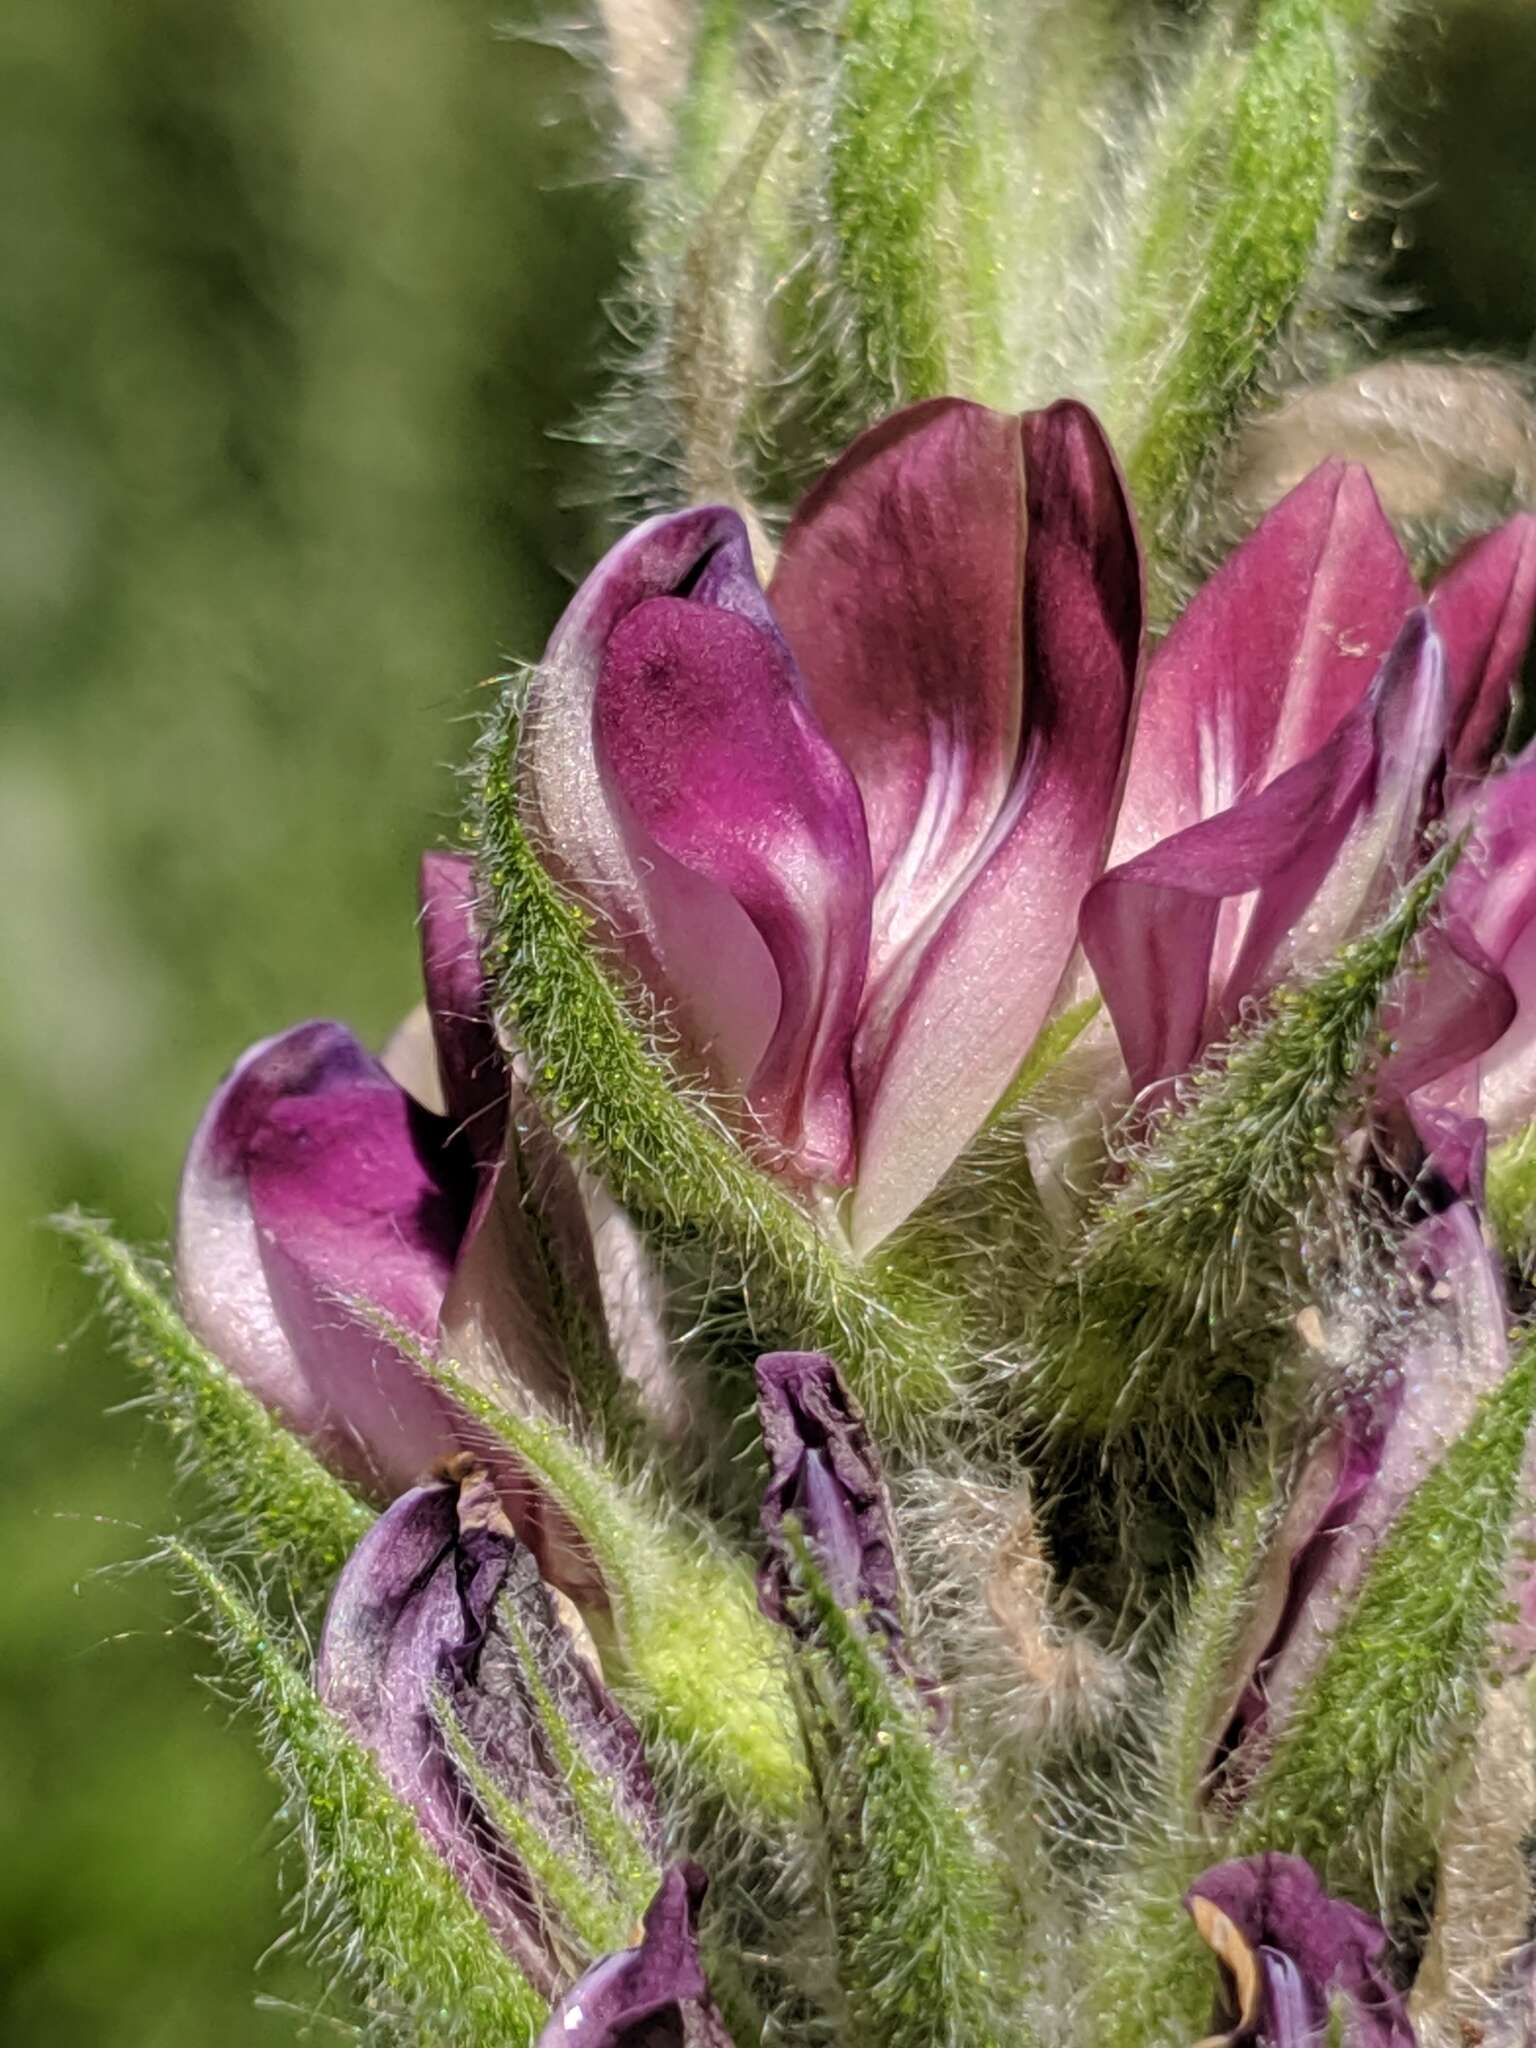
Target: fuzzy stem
[[914, 1897], [915, 257], [1358, 1771], [430, 1955], [269, 1492]]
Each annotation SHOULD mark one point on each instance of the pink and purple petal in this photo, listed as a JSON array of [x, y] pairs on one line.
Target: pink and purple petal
[[441, 1638], [1492, 895], [702, 556], [950, 1020], [471, 1065], [1312, 853], [736, 810], [1483, 606], [315, 1184], [900, 588]]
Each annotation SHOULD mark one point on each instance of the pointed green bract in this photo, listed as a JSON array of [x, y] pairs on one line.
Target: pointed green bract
[[1269, 141], [676, 1169], [574, 1898], [270, 1494], [1148, 1974], [1187, 1271], [1356, 1776], [915, 259], [428, 1956], [914, 1897]]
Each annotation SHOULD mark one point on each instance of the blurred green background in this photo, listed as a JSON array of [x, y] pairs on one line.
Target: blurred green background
[[295, 295]]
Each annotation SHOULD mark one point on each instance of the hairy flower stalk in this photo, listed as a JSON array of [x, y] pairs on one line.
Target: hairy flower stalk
[[908, 1396]]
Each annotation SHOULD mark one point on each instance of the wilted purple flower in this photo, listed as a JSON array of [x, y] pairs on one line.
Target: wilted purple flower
[[824, 1472], [843, 830], [1292, 1957], [1387, 1437], [444, 1654], [1296, 731], [654, 1995]]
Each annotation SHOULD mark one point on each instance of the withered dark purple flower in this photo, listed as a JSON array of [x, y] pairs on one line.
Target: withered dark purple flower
[[654, 1995], [1291, 1957], [825, 1473], [445, 1655]]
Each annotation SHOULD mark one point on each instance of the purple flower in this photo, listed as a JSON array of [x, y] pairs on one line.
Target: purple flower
[[1292, 1957], [320, 1194], [445, 1655], [1298, 729], [654, 1995], [843, 830]]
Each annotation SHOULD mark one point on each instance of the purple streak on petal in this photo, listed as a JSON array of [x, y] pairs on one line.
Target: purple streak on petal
[[1276, 649], [654, 1995], [1288, 1951], [469, 1056], [702, 555], [900, 587], [314, 1182], [1315, 850], [725, 788], [951, 1017], [1455, 1351], [417, 1627], [1483, 607]]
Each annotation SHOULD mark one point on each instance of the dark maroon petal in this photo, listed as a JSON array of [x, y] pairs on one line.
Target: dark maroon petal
[[964, 595], [1175, 948], [441, 1637], [470, 1062], [654, 1995], [824, 1472], [1483, 607], [734, 806], [1276, 649], [315, 1183], [1290, 1955]]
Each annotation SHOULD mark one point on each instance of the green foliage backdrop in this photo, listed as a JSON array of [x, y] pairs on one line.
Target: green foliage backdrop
[[294, 296]]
